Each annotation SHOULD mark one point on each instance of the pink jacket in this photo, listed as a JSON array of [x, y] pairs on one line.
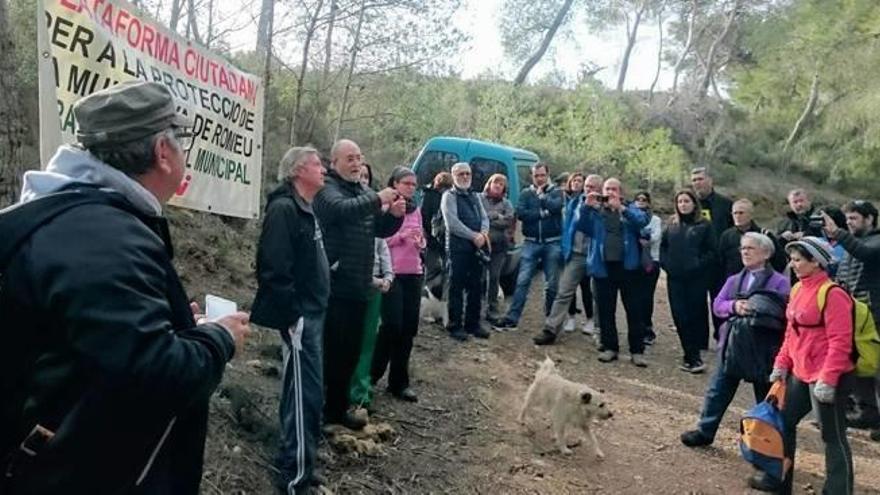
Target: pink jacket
[[817, 353], [407, 244]]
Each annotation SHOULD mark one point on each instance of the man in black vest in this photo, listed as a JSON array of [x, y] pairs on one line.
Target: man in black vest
[[105, 375], [467, 232], [351, 217]]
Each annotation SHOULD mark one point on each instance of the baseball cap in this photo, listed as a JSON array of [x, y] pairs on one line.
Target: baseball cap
[[125, 112]]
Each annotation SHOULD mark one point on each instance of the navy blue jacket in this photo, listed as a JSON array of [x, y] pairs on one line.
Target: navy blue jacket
[[541, 216], [590, 222]]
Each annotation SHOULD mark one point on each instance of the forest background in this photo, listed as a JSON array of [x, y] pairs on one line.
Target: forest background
[[760, 88]]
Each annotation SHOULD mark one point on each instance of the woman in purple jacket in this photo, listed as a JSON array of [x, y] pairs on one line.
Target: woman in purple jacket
[[756, 251]]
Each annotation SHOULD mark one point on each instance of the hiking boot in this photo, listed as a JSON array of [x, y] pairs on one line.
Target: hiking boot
[[459, 335], [570, 324], [639, 360], [875, 435], [763, 483], [480, 333], [607, 356], [546, 337], [863, 420], [505, 324], [349, 420], [695, 438], [407, 395]]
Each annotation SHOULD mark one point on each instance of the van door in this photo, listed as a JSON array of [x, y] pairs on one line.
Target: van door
[[482, 169]]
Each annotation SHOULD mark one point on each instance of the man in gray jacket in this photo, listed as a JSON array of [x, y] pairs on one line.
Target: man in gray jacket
[[859, 273], [467, 231]]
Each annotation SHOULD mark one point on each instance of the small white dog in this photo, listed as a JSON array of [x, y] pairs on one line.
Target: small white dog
[[433, 310], [570, 404]]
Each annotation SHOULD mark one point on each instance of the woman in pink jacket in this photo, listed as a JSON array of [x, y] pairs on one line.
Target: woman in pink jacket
[[400, 306], [815, 361]]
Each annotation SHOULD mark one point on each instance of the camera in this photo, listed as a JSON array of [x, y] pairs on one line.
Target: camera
[[603, 198], [817, 221], [484, 256]]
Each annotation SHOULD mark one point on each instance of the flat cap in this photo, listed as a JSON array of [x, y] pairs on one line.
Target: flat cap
[[125, 112]]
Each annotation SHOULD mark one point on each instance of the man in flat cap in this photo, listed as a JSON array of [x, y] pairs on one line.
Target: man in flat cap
[[105, 375]]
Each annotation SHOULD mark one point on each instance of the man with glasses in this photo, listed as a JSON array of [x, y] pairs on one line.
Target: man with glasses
[[540, 211], [107, 366], [859, 273], [467, 232]]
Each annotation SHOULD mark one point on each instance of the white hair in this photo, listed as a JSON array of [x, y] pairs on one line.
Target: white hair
[[460, 166], [293, 159], [763, 242]]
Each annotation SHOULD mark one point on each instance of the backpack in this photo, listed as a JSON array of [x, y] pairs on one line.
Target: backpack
[[761, 430], [866, 341]]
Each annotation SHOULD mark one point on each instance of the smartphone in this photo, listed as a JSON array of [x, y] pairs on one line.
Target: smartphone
[[216, 307]]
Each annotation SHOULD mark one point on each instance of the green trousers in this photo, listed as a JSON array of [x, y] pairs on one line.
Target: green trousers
[[361, 390]]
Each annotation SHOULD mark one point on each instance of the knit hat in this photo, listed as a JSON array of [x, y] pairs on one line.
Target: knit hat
[[818, 248]]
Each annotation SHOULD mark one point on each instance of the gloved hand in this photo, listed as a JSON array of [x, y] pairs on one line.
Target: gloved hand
[[778, 374], [823, 392]]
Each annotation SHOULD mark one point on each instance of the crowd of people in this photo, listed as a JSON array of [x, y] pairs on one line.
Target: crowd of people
[[341, 270]]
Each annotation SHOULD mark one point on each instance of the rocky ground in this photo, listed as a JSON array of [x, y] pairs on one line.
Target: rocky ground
[[462, 437]]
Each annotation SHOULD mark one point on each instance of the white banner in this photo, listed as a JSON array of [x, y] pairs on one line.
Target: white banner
[[89, 45]]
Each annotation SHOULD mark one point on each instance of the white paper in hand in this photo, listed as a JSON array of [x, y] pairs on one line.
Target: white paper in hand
[[217, 307]]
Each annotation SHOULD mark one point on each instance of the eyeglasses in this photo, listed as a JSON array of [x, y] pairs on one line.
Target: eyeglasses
[[642, 199], [184, 138], [462, 174], [747, 248]]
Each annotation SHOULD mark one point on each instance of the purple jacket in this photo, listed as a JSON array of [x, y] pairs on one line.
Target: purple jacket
[[722, 306]]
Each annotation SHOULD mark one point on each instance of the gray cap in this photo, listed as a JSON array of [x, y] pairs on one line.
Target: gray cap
[[818, 248], [125, 112]]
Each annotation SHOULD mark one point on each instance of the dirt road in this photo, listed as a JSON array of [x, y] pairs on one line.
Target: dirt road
[[462, 437]]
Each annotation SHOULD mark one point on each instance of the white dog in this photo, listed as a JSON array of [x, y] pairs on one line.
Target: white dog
[[433, 310], [570, 404]]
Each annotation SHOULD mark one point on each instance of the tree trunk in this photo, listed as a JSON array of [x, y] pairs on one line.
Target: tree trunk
[[192, 22], [175, 14], [343, 107], [545, 44], [713, 50], [12, 128], [323, 84], [267, 14], [269, 176], [300, 85], [209, 37], [806, 115], [692, 21], [659, 57], [631, 34]]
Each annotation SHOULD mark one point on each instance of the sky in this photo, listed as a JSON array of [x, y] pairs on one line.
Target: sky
[[479, 20]]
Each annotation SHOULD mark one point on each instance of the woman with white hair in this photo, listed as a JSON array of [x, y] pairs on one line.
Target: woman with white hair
[[734, 306]]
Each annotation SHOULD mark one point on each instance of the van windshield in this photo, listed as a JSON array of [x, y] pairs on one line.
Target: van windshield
[[482, 169]]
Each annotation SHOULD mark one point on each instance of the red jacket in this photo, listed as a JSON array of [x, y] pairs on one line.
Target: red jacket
[[817, 351]]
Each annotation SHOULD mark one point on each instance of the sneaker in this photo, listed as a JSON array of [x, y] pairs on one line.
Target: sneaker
[[650, 337], [546, 337], [863, 420], [407, 395], [459, 335], [639, 360], [589, 328], [875, 435], [607, 356], [570, 324], [695, 367], [349, 420], [505, 324], [695, 438]]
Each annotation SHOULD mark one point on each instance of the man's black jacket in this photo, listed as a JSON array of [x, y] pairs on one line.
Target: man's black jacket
[[731, 259], [292, 271], [100, 347], [719, 209], [351, 218]]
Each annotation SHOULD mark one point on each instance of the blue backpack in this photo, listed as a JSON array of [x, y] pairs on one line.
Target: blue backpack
[[761, 441]]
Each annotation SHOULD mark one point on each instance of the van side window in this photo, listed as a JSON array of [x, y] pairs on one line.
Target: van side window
[[524, 170], [432, 163], [482, 169]]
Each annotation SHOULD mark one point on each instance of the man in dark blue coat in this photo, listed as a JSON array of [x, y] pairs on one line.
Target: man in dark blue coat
[[540, 211]]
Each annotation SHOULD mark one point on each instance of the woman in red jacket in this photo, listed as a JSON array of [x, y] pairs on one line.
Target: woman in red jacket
[[815, 360]]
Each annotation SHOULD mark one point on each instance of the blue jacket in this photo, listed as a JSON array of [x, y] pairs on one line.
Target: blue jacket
[[541, 217], [590, 223]]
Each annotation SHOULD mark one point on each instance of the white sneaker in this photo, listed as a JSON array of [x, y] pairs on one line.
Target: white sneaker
[[570, 324], [589, 328]]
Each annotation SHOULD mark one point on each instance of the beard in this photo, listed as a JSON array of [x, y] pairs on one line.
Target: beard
[[463, 184]]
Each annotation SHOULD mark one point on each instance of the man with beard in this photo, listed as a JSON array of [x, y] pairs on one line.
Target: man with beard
[[351, 217]]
